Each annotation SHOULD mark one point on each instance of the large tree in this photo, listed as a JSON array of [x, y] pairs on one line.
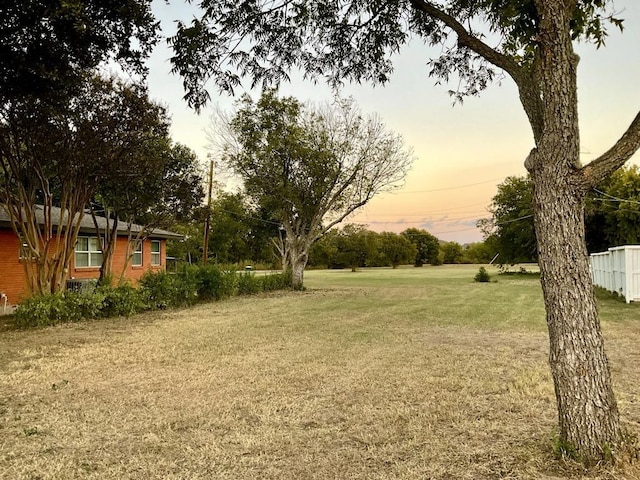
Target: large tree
[[47, 46], [50, 50], [396, 249], [313, 167], [427, 245], [532, 42], [356, 247], [54, 157], [612, 216], [613, 211], [149, 181], [510, 229]]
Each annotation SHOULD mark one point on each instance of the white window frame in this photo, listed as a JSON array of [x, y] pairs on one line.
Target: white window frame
[[94, 257], [137, 250], [156, 257]]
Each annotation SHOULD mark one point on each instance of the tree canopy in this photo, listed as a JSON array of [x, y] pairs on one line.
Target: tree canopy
[[48, 46], [311, 167], [427, 245], [59, 155], [355, 40], [612, 216], [510, 229]]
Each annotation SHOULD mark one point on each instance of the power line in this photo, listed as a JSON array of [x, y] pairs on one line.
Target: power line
[[613, 198], [453, 187]]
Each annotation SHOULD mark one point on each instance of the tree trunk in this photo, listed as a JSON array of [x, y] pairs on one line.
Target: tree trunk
[[297, 274], [297, 255], [587, 410]]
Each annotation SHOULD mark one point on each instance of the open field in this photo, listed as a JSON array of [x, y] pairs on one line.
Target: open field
[[378, 374]]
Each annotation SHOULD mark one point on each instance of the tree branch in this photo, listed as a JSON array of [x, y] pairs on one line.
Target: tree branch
[[596, 171], [465, 39], [530, 95]]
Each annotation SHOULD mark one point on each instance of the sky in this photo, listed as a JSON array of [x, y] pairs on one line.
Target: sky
[[462, 152]]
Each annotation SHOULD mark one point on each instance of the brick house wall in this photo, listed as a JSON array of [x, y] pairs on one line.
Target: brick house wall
[[13, 282], [12, 278]]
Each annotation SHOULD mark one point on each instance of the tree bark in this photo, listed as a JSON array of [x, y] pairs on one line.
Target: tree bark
[[587, 411], [297, 262]]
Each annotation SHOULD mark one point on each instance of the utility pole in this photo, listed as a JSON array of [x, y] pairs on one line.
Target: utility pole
[[207, 221]]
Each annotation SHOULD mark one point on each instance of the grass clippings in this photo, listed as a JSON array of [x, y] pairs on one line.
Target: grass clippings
[[378, 374]]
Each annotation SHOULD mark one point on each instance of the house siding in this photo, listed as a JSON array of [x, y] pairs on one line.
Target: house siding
[[13, 280]]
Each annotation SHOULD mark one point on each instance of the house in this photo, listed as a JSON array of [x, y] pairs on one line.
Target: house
[[149, 254]]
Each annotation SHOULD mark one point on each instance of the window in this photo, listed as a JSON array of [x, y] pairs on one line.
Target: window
[[136, 259], [88, 252], [155, 253]]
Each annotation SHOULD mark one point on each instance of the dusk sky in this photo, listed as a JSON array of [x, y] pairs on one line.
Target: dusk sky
[[462, 152]]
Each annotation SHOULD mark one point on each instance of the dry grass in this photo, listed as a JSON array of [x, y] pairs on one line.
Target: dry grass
[[409, 374]]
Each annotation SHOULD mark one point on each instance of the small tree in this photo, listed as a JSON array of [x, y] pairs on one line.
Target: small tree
[[427, 245], [311, 166], [397, 249], [356, 246], [154, 183]]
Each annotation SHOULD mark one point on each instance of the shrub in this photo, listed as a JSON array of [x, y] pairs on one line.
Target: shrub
[[482, 275], [121, 301], [276, 281], [46, 310], [157, 290], [163, 290], [249, 284], [215, 284]]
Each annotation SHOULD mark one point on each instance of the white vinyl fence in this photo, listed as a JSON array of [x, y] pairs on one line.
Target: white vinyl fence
[[618, 270]]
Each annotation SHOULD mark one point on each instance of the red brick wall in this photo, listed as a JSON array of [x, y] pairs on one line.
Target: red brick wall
[[13, 281], [12, 277]]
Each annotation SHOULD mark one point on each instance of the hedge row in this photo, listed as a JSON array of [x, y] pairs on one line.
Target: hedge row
[[161, 290]]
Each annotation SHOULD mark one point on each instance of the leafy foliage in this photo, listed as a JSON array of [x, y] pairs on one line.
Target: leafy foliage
[[510, 229], [452, 252], [397, 249], [427, 245], [157, 291], [58, 156], [311, 167], [355, 40], [47, 46], [612, 211], [482, 275]]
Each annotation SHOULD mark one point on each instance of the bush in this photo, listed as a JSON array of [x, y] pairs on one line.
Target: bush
[[157, 290], [276, 281], [164, 290], [121, 301], [482, 275], [47, 310], [215, 284], [249, 284]]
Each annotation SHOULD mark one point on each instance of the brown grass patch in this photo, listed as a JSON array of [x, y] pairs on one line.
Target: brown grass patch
[[289, 387]]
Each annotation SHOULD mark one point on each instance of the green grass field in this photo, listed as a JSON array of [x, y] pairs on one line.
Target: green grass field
[[414, 373]]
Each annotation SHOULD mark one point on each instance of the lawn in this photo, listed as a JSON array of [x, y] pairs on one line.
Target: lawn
[[415, 373]]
